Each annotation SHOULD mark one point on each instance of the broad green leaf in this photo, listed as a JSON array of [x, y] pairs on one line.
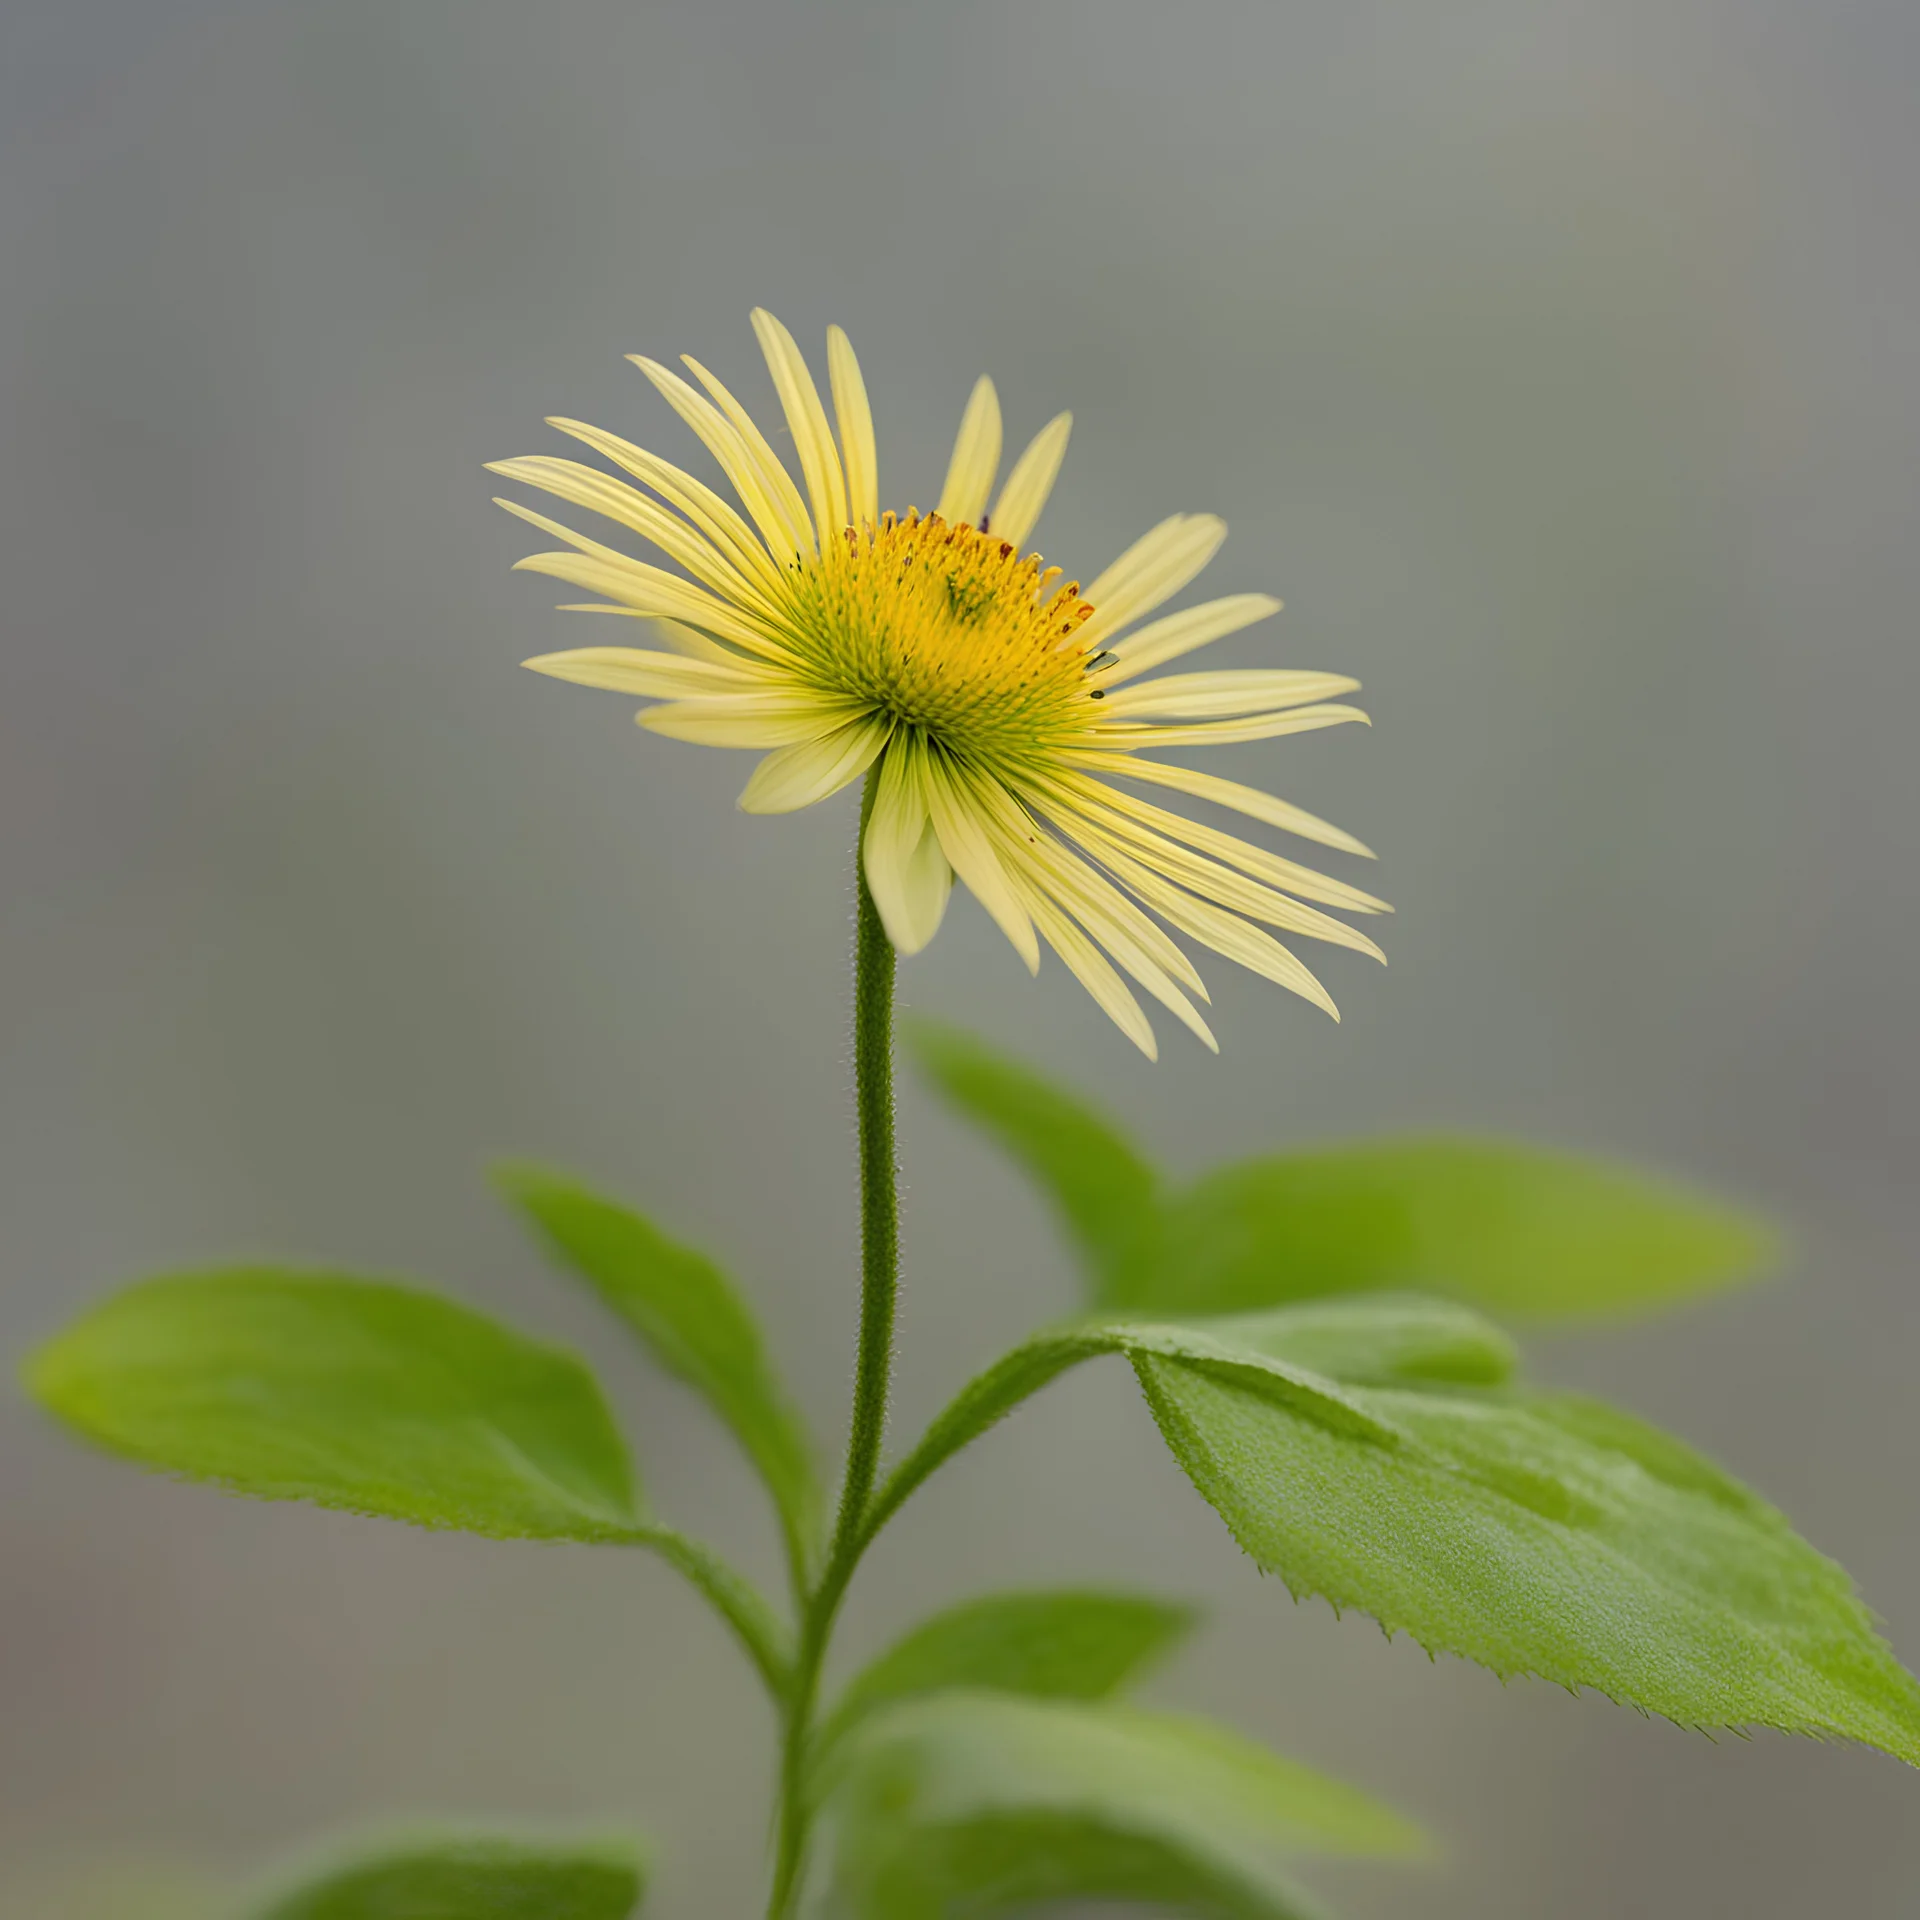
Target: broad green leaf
[[1102, 1187], [475, 1879], [1542, 1534], [348, 1393], [1534, 1533], [1505, 1228], [981, 1804], [1064, 1645], [698, 1327], [1388, 1337]]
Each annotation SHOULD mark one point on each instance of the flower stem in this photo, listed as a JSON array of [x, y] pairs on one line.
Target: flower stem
[[873, 970]]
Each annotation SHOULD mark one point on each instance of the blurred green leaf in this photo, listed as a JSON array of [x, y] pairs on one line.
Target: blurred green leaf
[[1102, 1187], [698, 1327], [980, 1804], [348, 1393], [1066, 1645], [1507, 1228], [475, 1879], [1542, 1534]]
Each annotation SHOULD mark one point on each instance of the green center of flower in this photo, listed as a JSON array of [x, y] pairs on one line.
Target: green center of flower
[[949, 630]]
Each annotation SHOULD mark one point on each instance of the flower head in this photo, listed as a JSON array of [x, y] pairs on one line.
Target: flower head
[[998, 700]]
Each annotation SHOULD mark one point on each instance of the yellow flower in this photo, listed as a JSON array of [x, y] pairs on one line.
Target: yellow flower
[[998, 700]]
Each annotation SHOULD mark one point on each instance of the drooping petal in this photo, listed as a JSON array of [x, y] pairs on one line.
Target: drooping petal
[[661, 676], [976, 459], [1089, 966], [1209, 696], [1197, 874], [1031, 480], [857, 446], [1223, 793], [1115, 924], [907, 873], [1153, 569], [1284, 874], [1192, 627], [790, 778], [1226, 933], [969, 850], [807, 418]]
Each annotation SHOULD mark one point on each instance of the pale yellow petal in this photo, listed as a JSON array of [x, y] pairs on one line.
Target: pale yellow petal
[[747, 720], [1153, 569], [680, 637], [969, 849], [1163, 640], [1086, 893], [652, 593], [807, 420], [1113, 922], [1224, 793], [976, 459], [1031, 480], [1211, 696], [1127, 735], [1088, 965], [615, 500], [793, 777], [1284, 874], [1081, 816], [661, 676], [701, 505], [907, 874], [767, 463], [1226, 933], [785, 531], [857, 446]]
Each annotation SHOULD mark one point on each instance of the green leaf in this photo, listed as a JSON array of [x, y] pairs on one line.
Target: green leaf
[[1502, 1227], [1388, 1337], [698, 1327], [1062, 1645], [1535, 1533], [475, 1879], [1505, 1228], [980, 1804], [348, 1393], [1546, 1535], [1102, 1187]]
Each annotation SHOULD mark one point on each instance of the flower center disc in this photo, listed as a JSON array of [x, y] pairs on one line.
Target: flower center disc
[[947, 629]]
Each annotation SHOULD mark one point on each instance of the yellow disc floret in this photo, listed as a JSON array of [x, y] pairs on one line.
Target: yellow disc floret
[[947, 629]]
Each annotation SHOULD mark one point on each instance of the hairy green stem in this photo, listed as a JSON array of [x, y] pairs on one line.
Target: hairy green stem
[[873, 969]]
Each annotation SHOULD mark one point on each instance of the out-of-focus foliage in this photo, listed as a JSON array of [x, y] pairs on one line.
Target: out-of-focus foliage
[[978, 1803], [474, 1878], [698, 1327], [1061, 1645], [1504, 1227]]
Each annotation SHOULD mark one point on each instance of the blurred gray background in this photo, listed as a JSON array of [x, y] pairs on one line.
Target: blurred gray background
[[1556, 362]]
